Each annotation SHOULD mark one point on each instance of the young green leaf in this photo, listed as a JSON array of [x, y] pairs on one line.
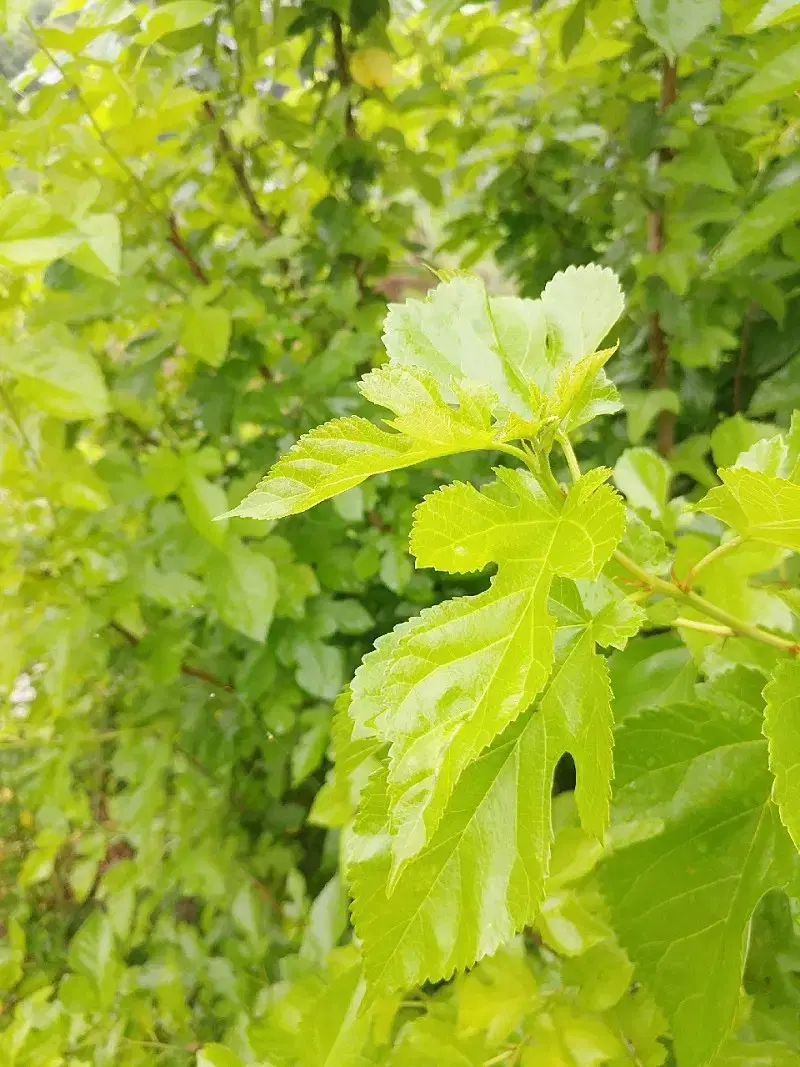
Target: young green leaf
[[442, 686], [345, 452], [757, 506]]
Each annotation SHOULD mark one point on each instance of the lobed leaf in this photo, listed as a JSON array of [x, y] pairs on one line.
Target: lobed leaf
[[442, 686], [756, 505], [693, 794]]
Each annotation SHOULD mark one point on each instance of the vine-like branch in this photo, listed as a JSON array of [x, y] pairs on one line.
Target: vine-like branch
[[186, 668], [730, 625]]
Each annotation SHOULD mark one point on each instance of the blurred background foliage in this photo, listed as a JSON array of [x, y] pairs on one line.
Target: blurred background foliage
[[204, 208]]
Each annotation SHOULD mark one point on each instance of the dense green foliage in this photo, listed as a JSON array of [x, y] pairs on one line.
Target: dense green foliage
[[276, 791]]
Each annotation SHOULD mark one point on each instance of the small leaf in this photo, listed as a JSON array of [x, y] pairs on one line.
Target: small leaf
[[779, 77], [756, 506], [206, 333], [777, 210], [173, 16], [217, 1056], [244, 586], [644, 477], [674, 24]]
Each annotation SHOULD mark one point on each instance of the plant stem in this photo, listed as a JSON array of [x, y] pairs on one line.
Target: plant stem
[[186, 668], [738, 626], [703, 627], [174, 237], [236, 163], [569, 455], [733, 625], [714, 554], [656, 340]]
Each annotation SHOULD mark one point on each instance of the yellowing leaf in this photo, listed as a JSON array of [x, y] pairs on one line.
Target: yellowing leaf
[[371, 68]]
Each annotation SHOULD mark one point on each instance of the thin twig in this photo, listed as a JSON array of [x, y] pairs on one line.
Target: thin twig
[[710, 557], [175, 238], [656, 339], [236, 163], [343, 74], [738, 627], [186, 668]]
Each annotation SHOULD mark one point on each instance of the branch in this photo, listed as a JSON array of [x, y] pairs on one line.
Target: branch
[[652, 582], [186, 668], [656, 341], [741, 360], [180, 246], [343, 74], [236, 164], [174, 238]]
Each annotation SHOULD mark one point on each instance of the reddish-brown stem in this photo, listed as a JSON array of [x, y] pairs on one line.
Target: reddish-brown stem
[[343, 73], [656, 340], [180, 246], [186, 668], [236, 163]]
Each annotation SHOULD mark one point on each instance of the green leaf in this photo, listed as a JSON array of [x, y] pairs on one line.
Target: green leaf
[[203, 501], [451, 335], [777, 78], [581, 304], [503, 342], [757, 506], [320, 669], [217, 1056], [438, 719], [643, 406], [93, 953], [320, 1020], [206, 333], [707, 844], [674, 24], [579, 695], [775, 12], [777, 210], [488, 857], [782, 728], [735, 435], [702, 162], [572, 30], [55, 375], [171, 17], [244, 585], [99, 247], [345, 452], [644, 477]]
